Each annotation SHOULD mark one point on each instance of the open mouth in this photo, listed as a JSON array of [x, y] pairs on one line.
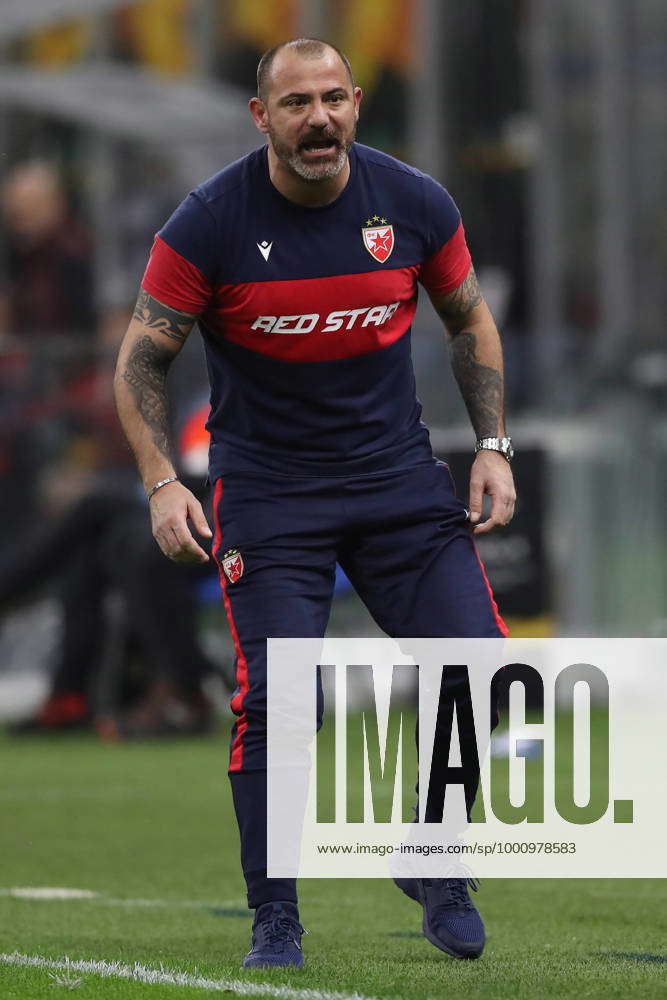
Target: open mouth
[[319, 147]]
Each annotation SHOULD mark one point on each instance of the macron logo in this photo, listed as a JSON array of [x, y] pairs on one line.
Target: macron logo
[[265, 248]]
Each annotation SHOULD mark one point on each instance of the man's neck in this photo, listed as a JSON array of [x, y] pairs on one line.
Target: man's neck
[[311, 194]]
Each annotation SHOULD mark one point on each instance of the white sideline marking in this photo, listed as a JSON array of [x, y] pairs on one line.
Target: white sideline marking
[[47, 894], [141, 974]]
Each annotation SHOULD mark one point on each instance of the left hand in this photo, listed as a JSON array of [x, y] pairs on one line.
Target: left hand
[[491, 474]]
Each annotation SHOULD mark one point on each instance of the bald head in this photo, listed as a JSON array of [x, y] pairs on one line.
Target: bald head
[[308, 107], [305, 48]]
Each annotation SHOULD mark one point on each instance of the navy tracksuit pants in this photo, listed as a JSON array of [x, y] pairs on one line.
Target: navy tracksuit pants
[[404, 541]]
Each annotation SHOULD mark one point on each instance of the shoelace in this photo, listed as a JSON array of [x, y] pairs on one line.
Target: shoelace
[[455, 892], [278, 928]]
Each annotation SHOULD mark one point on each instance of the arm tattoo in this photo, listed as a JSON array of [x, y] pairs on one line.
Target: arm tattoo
[[146, 375], [481, 386], [455, 307], [157, 316]]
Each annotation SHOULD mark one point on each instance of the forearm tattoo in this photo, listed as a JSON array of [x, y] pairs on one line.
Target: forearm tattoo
[[146, 375], [157, 316], [455, 307], [481, 386]]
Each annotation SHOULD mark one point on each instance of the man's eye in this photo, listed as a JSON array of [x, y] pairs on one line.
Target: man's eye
[[336, 98]]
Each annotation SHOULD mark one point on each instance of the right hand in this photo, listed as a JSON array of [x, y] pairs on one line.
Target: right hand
[[171, 507]]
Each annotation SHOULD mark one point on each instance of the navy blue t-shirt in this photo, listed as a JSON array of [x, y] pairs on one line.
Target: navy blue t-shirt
[[306, 312]]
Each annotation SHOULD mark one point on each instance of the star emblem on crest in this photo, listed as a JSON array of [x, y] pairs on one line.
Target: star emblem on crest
[[382, 241]]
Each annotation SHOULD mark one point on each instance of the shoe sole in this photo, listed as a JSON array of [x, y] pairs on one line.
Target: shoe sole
[[273, 965]]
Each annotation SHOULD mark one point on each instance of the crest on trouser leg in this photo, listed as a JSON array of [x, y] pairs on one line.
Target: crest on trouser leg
[[232, 564]]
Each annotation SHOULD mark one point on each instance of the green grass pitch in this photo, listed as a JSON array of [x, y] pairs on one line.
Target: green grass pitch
[[153, 824]]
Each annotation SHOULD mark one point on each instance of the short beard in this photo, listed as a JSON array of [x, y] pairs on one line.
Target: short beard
[[316, 171]]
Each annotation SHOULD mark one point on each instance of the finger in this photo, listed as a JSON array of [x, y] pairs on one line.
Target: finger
[[509, 510], [502, 509], [169, 541], [486, 526], [187, 549], [198, 518], [498, 509], [505, 507], [476, 500], [167, 544]]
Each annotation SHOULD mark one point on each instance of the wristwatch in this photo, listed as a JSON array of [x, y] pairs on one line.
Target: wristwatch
[[503, 445]]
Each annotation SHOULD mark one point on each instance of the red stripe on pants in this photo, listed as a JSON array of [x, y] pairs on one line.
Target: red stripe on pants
[[236, 757], [496, 614]]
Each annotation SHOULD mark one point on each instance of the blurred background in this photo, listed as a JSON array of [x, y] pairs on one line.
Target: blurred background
[[545, 120]]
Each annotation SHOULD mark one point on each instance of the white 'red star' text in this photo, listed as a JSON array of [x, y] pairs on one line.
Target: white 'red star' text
[[339, 319]]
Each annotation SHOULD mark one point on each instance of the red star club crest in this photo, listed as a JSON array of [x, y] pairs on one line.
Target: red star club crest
[[232, 564], [378, 237]]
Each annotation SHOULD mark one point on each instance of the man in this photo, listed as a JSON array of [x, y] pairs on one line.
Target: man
[[300, 263], [48, 289]]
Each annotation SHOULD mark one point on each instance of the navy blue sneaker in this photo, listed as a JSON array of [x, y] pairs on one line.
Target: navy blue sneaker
[[276, 937], [451, 921]]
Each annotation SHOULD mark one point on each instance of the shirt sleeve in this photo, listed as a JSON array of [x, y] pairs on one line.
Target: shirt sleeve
[[448, 260], [182, 266]]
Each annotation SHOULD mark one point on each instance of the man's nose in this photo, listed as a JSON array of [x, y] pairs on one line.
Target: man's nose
[[319, 116]]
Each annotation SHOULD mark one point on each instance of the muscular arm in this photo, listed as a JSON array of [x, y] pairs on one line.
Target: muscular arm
[[154, 337], [477, 363], [476, 355]]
